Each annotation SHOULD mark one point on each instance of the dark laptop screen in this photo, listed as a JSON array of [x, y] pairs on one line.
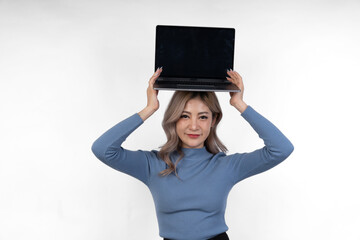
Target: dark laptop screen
[[194, 52]]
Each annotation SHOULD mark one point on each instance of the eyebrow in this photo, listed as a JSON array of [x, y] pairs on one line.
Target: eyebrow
[[198, 113]]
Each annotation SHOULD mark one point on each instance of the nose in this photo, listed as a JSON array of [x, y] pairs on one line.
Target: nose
[[194, 124]]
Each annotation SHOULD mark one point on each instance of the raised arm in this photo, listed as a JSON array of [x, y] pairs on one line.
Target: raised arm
[[277, 147], [108, 148]]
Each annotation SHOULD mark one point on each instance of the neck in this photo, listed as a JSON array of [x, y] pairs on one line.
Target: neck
[[195, 153]]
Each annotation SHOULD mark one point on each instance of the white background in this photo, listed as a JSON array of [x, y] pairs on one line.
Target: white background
[[69, 70]]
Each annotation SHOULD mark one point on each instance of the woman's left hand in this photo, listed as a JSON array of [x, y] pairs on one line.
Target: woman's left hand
[[236, 99]]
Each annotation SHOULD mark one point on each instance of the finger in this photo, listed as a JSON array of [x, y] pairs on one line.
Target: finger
[[230, 79], [155, 75], [238, 75], [241, 83], [229, 72], [236, 81], [233, 81], [233, 76]]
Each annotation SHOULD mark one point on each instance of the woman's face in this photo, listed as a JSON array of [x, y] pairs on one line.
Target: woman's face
[[194, 124]]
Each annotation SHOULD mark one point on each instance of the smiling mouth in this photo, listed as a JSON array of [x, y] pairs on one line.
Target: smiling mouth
[[193, 135]]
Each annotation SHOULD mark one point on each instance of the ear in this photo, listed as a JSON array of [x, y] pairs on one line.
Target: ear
[[213, 120]]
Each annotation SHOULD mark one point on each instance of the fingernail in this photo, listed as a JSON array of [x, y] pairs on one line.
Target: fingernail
[[161, 67]]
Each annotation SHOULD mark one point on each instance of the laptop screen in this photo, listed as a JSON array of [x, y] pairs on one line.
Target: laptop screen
[[194, 52]]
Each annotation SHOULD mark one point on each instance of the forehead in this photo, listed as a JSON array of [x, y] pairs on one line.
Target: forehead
[[196, 105]]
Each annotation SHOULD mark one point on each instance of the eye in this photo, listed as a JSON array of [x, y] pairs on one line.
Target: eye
[[184, 116], [203, 117]]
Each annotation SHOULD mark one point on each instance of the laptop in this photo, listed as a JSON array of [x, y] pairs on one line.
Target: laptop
[[194, 58]]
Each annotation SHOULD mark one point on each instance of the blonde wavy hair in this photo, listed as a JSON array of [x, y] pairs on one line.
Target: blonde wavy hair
[[172, 115]]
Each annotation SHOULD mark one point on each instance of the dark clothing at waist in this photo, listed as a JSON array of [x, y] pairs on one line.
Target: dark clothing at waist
[[221, 236]]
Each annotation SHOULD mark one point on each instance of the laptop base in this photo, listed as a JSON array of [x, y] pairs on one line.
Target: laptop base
[[196, 88]]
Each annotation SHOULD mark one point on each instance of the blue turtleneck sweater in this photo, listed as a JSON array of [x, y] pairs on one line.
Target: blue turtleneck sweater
[[193, 206]]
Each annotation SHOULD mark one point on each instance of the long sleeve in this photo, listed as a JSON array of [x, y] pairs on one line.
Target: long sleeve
[[277, 148], [108, 149]]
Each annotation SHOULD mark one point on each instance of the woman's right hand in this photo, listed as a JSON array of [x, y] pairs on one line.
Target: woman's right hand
[[152, 100]]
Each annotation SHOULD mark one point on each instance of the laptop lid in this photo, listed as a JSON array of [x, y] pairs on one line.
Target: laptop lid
[[194, 53]]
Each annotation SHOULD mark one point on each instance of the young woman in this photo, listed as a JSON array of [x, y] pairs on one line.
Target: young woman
[[190, 177]]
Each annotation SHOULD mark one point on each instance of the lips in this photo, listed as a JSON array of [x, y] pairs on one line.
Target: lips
[[193, 135]]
